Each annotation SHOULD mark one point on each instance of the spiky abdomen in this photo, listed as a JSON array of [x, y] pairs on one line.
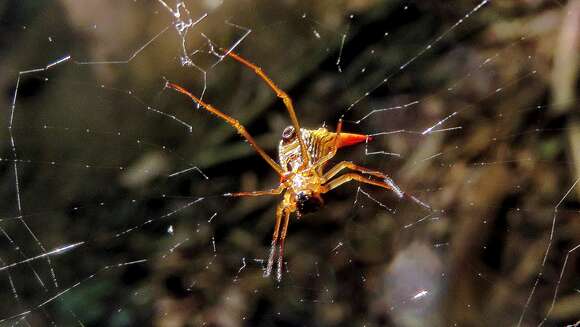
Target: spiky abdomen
[[318, 142]]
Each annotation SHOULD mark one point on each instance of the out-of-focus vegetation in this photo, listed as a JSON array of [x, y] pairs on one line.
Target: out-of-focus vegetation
[[495, 185]]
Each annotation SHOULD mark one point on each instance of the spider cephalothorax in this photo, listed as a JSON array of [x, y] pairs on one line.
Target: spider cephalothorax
[[302, 159]]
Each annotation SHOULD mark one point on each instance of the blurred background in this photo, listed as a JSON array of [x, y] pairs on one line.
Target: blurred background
[[111, 206]]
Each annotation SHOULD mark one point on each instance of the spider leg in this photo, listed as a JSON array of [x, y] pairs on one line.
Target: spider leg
[[349, 165], [388, 184], [281, 210], [282, 95], [234, 123], [274, 191], [281, 246]]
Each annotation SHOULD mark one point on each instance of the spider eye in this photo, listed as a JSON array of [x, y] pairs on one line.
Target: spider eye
[[288, 134], [308, 203]]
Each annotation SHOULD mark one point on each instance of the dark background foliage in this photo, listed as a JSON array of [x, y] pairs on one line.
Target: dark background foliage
[[93, 164]]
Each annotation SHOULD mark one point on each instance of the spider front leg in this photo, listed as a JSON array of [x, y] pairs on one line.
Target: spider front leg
[[388, 183], [232, 122], [280, 94]]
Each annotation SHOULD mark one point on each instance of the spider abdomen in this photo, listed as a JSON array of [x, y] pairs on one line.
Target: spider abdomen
[[318, 142]]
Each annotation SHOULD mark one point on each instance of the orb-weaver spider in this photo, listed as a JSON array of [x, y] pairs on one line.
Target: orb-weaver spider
[[302, 158]]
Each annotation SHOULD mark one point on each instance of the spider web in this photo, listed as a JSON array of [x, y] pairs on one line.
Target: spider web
[[113, 209]]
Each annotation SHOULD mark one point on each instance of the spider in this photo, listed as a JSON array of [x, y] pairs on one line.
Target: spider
[[303, 155]]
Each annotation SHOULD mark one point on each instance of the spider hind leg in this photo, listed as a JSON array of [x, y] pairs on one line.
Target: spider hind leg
[[278, 239], [281, 247], [279, 212]]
